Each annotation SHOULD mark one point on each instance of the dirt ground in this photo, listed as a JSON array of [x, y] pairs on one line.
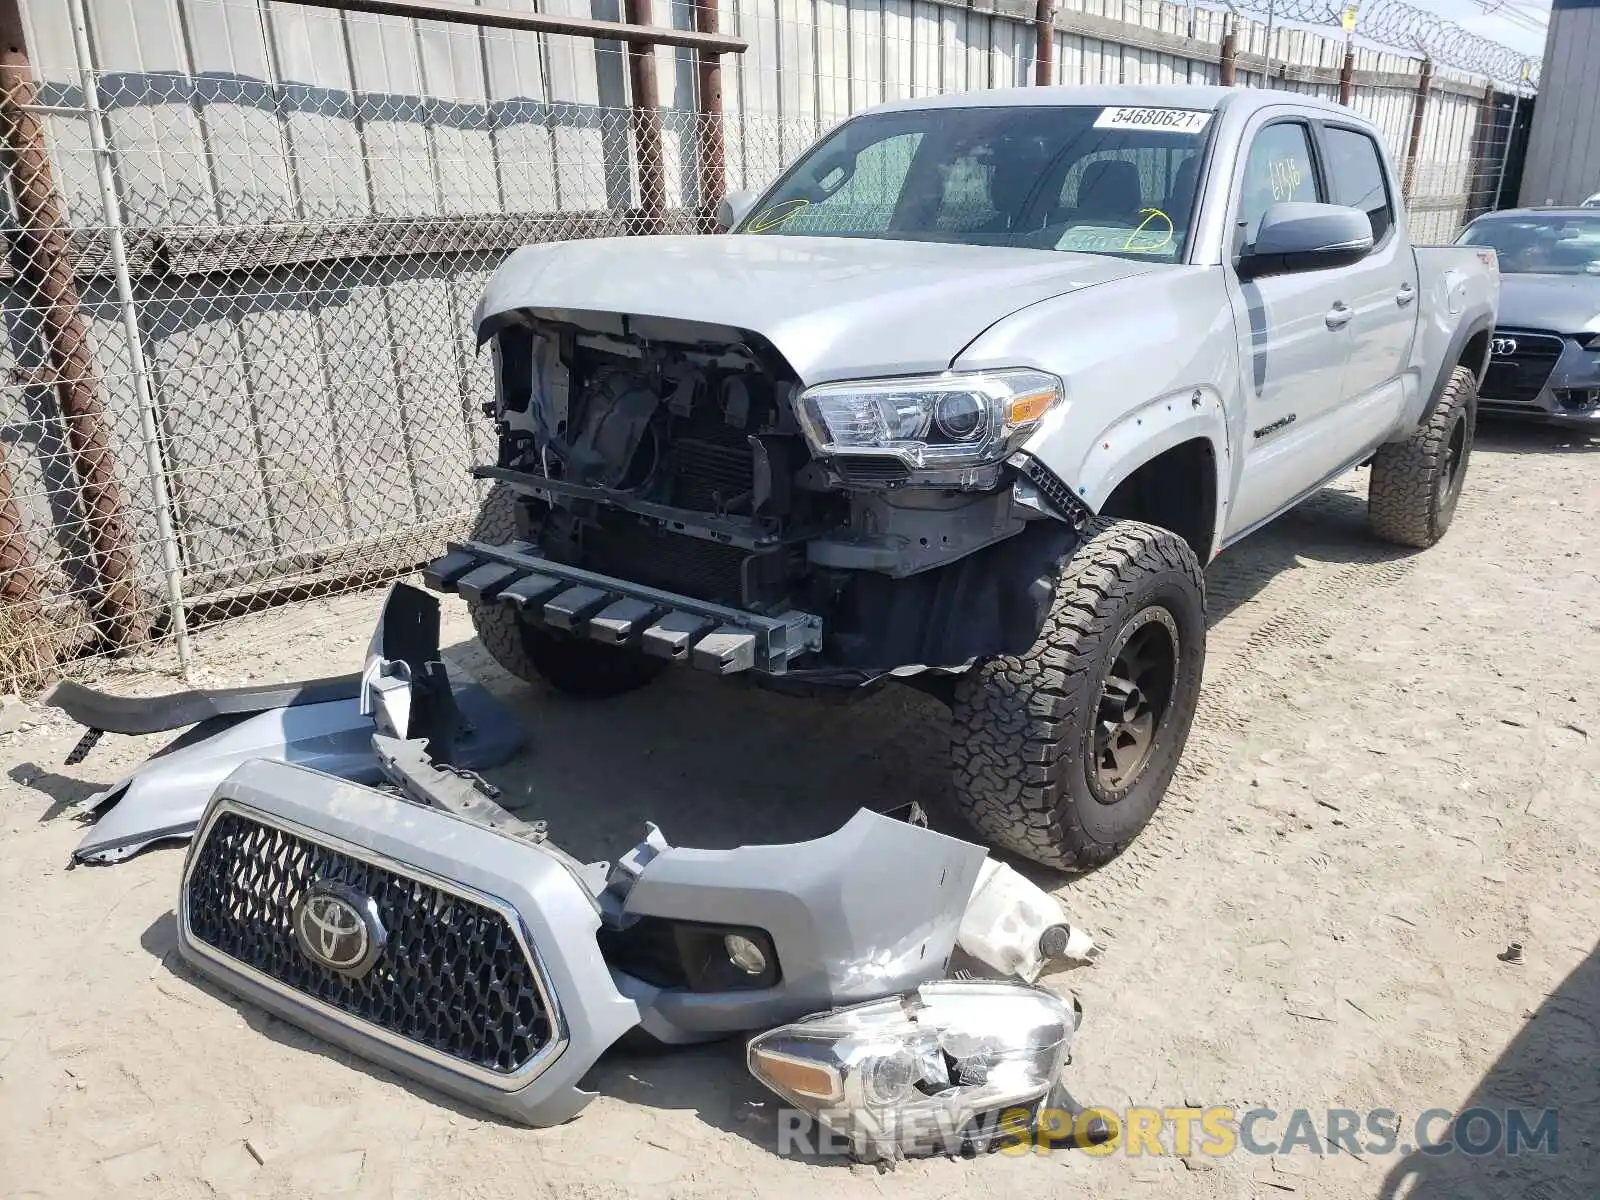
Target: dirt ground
[[1394, 775]]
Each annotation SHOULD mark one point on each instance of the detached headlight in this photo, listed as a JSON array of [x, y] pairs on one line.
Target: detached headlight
[[951, 420], [922, 1071]]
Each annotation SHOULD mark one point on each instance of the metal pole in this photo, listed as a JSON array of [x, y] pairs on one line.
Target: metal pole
[[1511, 132], [1272, 20], [1044, 36], [130, 328], [1227, 57], [713, 160], [646, 124], [19, 580], [1347, 74], [45, 268], [457, 13], [1419, 109]]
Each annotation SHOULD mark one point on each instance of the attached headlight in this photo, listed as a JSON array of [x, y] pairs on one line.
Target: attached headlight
[[915, 1072], [958, 419]]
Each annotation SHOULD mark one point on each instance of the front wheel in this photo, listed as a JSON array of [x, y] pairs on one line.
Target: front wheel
[[1415, 484], [1063, 753]]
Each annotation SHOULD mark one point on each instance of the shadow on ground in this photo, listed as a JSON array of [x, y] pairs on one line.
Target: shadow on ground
[[717, 763], [1551, 1067], [1506, 435]]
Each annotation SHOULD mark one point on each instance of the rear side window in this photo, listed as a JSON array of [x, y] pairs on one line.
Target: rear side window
[[1279, 169], [1355, 176]]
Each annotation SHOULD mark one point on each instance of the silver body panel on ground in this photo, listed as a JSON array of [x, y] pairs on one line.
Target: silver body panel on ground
[[163, 799], [867, 911]]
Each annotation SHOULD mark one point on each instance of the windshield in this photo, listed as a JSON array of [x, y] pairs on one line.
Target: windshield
[[1539, 244], [1117, 181]]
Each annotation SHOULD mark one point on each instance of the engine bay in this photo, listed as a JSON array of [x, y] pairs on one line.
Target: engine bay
[[669, 455], [676, 463]]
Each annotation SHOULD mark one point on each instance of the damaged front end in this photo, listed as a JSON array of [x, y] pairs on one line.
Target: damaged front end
[[682, 492]]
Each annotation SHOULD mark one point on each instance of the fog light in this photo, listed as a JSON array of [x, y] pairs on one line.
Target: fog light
[[744, 954], [1580, 399]]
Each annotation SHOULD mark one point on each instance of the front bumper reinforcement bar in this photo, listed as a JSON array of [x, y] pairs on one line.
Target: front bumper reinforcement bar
[[712, 637]]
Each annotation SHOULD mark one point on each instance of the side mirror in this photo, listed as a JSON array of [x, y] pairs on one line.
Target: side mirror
[[1296, 236], [733, 208]]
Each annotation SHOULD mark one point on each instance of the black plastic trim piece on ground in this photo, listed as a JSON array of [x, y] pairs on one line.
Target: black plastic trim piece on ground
[[134, 715]]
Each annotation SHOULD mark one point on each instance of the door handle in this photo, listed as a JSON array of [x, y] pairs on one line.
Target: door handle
[[1339, 315], [1405, 295]]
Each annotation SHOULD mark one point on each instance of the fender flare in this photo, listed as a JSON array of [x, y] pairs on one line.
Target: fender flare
[[1452, 359], [1147, 432]]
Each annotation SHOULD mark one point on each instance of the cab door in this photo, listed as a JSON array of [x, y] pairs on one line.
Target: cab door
[[1382, 291], [1293, 330]]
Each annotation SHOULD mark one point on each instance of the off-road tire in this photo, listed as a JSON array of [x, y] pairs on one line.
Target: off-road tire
[[1022, 746], [1415, 484], [576, 666]]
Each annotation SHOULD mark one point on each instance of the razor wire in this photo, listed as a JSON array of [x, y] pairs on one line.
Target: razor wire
[[1410, 30]]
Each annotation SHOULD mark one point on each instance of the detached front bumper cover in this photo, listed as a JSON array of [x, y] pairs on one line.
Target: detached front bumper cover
[[508, 1007], [430, 929]]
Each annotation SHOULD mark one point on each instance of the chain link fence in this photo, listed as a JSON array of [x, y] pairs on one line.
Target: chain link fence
[[245, 237]]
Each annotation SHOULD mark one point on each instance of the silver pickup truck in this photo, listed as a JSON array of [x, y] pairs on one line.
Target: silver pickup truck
[[967, 398]]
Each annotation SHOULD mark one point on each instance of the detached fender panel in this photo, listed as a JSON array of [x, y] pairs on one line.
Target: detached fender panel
[[164, 798], [867, 911]]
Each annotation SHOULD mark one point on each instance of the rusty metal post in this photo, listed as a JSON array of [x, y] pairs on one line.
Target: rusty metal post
[[1044, 36], [1419, 110], [1347, 74], [713, 160], [19, 579], [646, 124], [45, 271], [1226, 58]]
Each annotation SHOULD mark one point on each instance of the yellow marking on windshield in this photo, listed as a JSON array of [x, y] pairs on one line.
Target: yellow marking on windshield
[[776, 215], [1164, 234]]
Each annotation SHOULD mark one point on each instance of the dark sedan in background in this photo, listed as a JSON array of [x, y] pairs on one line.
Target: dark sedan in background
[[1544, 361]]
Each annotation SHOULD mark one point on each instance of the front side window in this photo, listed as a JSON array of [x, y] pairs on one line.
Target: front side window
[[1355, 177], [1102, 180], [1278, 169]]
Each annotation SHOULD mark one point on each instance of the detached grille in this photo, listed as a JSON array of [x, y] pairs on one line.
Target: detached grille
[[1519, 377], [453, 977]]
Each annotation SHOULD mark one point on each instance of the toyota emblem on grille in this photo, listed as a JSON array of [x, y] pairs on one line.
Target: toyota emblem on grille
[[339, 928], [1501, 347]]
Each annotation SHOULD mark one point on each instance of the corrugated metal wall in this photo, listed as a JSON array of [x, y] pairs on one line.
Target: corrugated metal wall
[[318, 411], [1563, 165]]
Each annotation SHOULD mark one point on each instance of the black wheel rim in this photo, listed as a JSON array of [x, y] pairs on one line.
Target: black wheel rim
[[1135, 696], [1453, 470]]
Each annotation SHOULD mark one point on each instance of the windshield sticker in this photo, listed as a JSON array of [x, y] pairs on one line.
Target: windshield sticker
[[1165, 120], [776, 215]]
